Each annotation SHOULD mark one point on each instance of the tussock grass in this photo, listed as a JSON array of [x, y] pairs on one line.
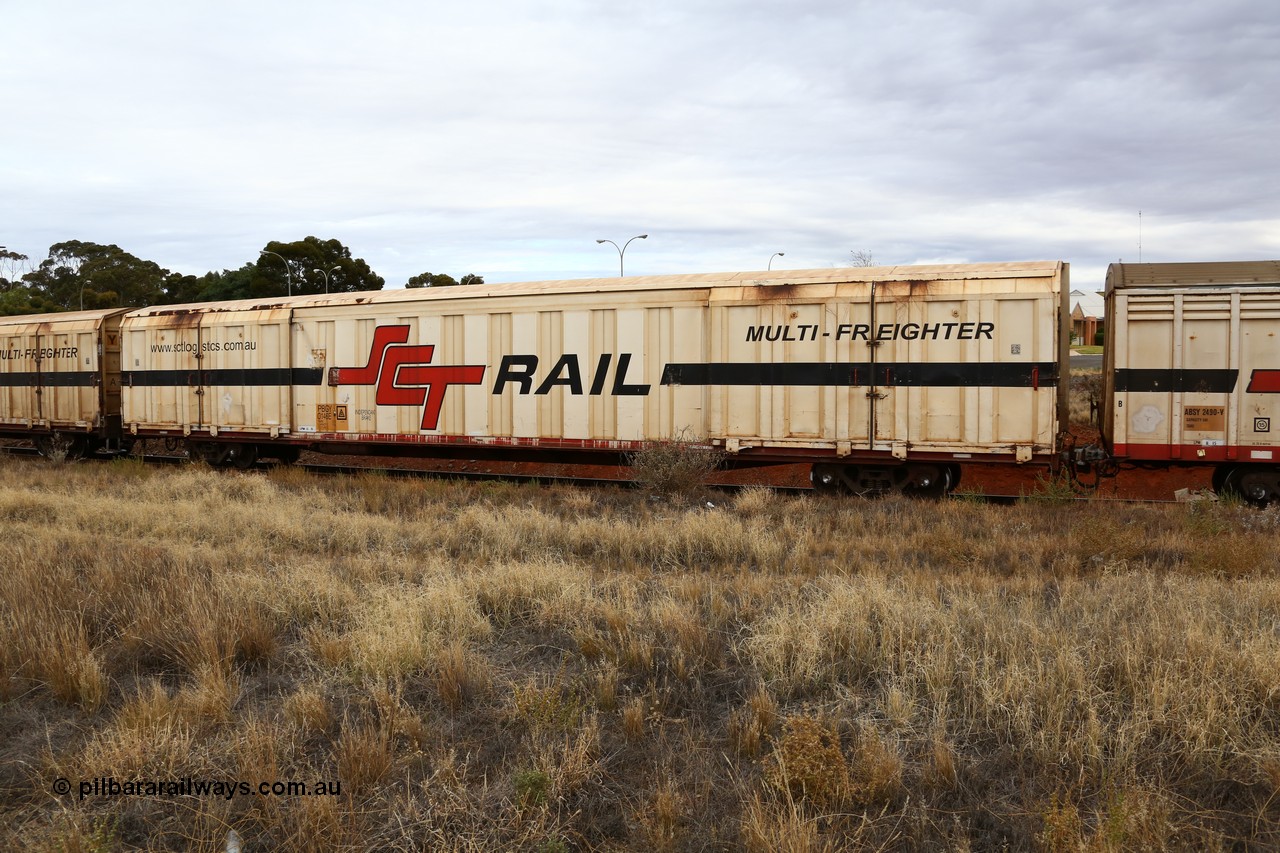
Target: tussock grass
[[506, 667]]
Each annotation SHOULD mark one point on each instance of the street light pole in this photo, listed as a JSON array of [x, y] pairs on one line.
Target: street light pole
[[623, 251], [775, 255], [288, 276], [326, 275]]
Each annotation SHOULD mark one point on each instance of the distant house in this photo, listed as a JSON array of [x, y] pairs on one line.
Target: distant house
[[1088, 315]]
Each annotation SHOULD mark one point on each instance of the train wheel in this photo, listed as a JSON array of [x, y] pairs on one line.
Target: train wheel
[[58, 446], [1256, 485], [826, 479], [243, 456], [288, 455], [210, 452], [928, 481]]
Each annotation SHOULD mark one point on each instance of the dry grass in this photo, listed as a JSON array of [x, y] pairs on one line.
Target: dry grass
[[506, 667]]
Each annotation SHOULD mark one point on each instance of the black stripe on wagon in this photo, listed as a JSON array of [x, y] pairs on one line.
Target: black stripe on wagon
[[1187, 381], [243, 377], [55, 379], [862, 374]]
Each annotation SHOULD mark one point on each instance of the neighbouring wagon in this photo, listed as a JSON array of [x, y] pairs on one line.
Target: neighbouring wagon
[[60, 380], [1193, 370]]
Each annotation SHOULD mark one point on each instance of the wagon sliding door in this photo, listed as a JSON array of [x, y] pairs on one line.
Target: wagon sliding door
[[965, 372], [161, 386], [19, 377], [69, 379], [246, 371]]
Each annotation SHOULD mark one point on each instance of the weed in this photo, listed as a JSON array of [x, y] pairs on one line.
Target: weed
[[531, 787], [807, 764], [363, 754], [676, 468], [551, 710], [1052, 491]]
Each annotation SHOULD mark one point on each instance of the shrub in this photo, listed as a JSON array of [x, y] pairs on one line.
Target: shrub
[[808, 764], [679, 467]]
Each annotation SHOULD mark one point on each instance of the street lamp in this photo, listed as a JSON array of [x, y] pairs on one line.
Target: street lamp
[[623, 251], [326, 275], [775, 255], [288, 276]]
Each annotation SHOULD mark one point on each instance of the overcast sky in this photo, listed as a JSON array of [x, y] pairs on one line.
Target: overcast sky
[[503, 138]]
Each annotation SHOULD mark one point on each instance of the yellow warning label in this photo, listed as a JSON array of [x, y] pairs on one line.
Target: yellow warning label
[[331, 418], [1204, 418]]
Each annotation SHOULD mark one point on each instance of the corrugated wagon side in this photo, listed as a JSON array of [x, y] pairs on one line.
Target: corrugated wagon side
[[217, 377], [885, 377], [1193, 370], [59, 380]]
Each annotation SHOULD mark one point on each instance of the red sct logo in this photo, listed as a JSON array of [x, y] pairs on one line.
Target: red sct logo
[[1264, 382], [404, 375]]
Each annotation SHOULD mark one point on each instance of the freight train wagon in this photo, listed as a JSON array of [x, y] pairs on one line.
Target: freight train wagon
[[1192, 370], [884, 378], [60, 380]]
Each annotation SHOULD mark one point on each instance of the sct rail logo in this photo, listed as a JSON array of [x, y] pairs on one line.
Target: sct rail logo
[[404, 375], [1264, 382]]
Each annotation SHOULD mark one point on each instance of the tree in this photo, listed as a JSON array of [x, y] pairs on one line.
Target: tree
[[431, 279], [13, 266], [212, 286], [861, 258], [308, 261], [15, 297], [90, 275], [18, 299], [439, 279]]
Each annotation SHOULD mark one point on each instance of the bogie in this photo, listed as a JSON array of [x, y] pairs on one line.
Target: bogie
[[1258, 485], [916, 479]]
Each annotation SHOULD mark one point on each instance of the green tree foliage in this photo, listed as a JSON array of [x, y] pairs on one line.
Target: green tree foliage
[[91, 275], [212, 286], [15, 297], [308, 260], [439, 279], [18, 299]]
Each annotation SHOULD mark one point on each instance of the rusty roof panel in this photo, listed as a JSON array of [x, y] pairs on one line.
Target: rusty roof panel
[[1176, 275]]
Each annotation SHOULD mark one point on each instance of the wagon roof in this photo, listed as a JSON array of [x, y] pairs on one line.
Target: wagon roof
[[63, 317], [1218, 273], [832, 275]]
